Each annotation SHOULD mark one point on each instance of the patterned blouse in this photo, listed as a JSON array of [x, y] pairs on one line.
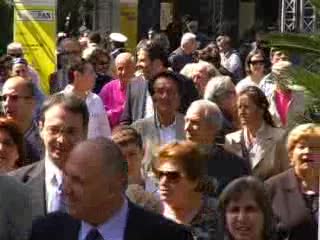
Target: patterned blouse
[[206, 225]]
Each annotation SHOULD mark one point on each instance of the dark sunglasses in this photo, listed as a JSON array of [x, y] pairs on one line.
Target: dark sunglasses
[[257, 62], [172, 176]]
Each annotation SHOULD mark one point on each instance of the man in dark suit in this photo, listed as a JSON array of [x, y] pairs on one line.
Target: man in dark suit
[[203, 121], [152, 60], [94, 191], [63, 123], [15, 210]]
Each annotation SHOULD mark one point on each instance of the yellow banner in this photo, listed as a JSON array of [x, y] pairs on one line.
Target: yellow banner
[[129, 21], [35, 29]]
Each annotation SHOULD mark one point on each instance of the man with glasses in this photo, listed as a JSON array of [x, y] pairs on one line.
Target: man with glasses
[[18, 102], [63, 123]]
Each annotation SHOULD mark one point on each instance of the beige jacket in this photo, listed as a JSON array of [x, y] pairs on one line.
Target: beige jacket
[[271, 156]]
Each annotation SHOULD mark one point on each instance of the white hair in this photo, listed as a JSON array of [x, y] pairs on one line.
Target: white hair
[[210, 68], [188, 70], [14, 46], [217, 88], [186, 38], [210, 112]]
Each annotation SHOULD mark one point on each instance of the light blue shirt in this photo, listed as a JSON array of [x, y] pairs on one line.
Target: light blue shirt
[[112, 229]]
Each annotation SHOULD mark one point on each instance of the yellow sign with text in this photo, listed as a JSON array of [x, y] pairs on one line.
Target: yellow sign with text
[[35, 29], [129, 21]]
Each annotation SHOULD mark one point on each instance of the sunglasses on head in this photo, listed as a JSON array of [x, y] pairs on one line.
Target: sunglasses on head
[[173, 176]]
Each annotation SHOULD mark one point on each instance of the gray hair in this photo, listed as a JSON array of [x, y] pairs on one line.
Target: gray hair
[[210, 112], [218, 88], [187, 37], [211, 70]]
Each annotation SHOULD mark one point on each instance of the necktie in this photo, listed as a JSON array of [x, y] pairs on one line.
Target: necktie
[[94, 235], [58, 203]]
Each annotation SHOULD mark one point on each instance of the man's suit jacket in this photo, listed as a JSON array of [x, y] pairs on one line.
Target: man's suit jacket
[[271, 157], [224, 166], [15, 210], [34, 177], [290, 207], [150, 134], [134, 108], [141, 225]]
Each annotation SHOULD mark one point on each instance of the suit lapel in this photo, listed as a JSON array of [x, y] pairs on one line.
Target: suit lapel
[[37, 184], [180, 133]]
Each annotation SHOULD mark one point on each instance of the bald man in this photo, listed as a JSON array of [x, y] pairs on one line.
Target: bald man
[[18, 102], [113, 94], [94, 194]]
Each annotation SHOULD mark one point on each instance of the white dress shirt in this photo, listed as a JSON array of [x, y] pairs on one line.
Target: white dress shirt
[[149, 111], [168, 134], [98, 121], [53, 178], [112, 229]]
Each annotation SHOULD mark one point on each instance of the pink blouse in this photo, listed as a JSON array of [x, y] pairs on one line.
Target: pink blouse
[[283, 102], [113, 96]]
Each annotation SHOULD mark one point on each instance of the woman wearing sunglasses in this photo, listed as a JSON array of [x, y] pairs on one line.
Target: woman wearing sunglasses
[[184, 190], [255, 68]]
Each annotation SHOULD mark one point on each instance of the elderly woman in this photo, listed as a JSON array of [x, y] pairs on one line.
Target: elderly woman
[[255, 66], [259, 140], [180, 170], [295, 193], [221, 91], [246, 211], [12, 154]]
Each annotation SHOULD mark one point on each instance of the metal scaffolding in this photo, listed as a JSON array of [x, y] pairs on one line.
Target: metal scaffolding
[[298, 16]]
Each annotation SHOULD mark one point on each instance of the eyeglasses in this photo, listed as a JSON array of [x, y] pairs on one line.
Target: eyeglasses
[[261, 62], [172, 176], [5, 97]]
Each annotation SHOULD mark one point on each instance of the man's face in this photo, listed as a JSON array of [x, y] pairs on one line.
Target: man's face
[[87, 185], [86, 80], [279, 56], [20, 70], [196, 127], [60, 131], [200, 78], [145, 64], [71, 53], [16, 53], [166, 96], [18, 102], [125, 69]]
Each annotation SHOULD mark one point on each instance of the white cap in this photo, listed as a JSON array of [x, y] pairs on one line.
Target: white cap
[[118, 37]]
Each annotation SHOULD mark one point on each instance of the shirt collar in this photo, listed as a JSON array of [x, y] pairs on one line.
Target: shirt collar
[[113, 228], [69, 89]]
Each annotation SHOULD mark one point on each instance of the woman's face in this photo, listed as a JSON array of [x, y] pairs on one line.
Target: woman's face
[[20, 70], [102, 65], [247, 110], [244, 218], [174, 186], [305, 157], [8, 152], [256, 64]]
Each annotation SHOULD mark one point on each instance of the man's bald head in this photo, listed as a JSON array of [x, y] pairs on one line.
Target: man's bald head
[[25, 84], [125, 66]]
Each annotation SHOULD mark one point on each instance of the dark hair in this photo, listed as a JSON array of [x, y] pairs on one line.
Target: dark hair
[[211, 54], [124, 135], [11, 127], [169, 75], [69, 102], [95, 37], [258, 97], [155, 51], [77, 66], [190, 158], [250, 55], [96, 54], [5, 66], [235, 190]]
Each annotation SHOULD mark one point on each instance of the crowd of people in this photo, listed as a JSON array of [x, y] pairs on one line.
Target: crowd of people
[[192, 144]]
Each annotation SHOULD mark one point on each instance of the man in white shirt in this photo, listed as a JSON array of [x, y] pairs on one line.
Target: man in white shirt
[[97, 207], [82, 79], [63, 123]]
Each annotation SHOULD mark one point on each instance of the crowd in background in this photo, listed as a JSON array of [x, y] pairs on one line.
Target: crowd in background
[[198, 142]]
